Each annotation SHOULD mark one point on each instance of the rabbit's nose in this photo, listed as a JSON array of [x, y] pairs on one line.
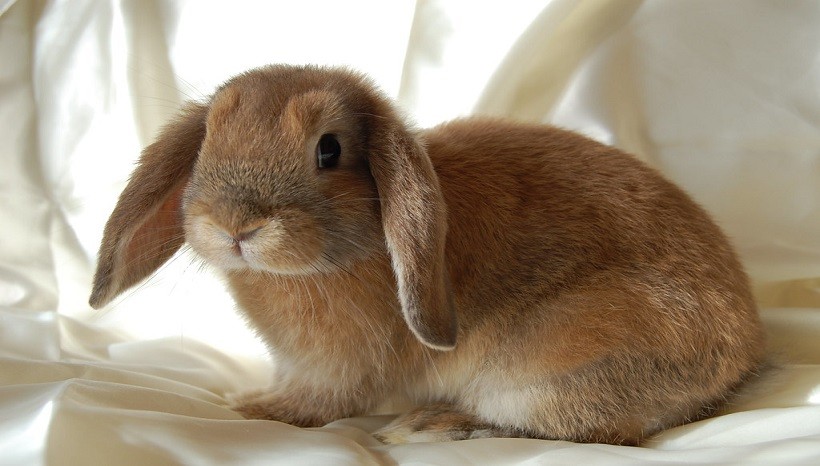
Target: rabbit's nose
[[245, 235]]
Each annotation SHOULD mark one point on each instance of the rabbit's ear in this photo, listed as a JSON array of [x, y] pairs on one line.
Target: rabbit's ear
[[145, 228], [414, 219]]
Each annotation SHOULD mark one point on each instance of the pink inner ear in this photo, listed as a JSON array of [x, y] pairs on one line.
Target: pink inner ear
[[157, 238]]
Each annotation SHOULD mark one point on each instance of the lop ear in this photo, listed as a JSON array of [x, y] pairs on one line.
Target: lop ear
[[145, 228], [414, 218]]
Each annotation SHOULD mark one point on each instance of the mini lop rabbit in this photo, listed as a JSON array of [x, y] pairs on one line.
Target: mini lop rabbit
[[509, 279]]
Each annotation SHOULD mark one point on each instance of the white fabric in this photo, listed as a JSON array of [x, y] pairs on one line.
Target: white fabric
[[722, 96]]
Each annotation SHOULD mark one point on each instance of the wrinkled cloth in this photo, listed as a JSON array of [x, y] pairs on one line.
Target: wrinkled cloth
[[722, 97]]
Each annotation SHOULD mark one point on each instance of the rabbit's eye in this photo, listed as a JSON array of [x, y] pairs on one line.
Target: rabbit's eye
[[328, 151]]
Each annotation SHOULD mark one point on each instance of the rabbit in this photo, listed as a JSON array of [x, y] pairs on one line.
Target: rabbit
[[506, 279]]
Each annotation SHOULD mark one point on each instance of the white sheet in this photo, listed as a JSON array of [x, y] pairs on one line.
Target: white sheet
[[722, 96]]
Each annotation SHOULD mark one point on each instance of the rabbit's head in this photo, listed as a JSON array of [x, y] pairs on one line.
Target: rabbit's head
[[288, 170]]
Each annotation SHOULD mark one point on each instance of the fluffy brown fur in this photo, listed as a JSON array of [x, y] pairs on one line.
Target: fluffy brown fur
[[583, 297]]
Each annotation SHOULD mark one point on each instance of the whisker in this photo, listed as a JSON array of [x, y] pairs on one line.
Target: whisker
[[337, 200], [150, 280], [336, 196], [369, 114], [148, 68], [313, 315], [151, 249]]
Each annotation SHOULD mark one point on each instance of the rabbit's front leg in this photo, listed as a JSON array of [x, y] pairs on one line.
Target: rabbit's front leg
[[293, 405]]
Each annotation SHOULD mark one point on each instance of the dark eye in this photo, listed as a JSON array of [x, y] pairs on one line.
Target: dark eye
[[328, 151]]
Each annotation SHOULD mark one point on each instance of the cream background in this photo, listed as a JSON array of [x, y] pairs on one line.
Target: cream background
[[724, 97]]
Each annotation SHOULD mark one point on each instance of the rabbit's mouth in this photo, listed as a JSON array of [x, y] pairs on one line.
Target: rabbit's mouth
[[275, 245]]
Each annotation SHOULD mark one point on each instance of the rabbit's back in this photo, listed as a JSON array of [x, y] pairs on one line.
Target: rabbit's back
[[538, 215], [585, 279], [519, 195]]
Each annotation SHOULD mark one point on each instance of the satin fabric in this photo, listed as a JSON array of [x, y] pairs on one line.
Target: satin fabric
[[720, 96]]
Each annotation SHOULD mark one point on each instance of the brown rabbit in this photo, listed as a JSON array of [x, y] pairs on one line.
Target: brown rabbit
[[508, 279]]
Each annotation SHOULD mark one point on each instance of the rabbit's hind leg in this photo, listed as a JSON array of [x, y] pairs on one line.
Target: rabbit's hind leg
[[438, 423]]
